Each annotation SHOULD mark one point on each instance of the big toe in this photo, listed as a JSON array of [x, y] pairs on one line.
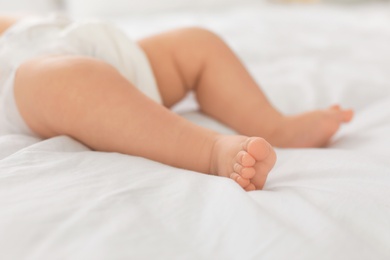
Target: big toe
[[344, 115], [347, 115], [258, 147]]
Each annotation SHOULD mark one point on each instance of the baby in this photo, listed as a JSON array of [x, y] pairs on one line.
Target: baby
[[89, 81]]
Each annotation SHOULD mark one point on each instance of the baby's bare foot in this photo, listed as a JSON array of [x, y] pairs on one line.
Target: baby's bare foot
[[247, 160], [312, 129]]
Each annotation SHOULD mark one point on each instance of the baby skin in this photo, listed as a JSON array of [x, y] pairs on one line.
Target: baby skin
[[90, 101]]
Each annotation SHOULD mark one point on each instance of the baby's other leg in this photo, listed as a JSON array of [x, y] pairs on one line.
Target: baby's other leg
[[198, 60], [90, 101]]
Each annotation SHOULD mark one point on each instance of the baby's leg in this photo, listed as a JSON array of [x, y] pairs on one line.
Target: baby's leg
[[91, 102], [195, 59]]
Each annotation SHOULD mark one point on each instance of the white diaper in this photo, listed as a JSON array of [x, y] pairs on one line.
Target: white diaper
[[59, 35]]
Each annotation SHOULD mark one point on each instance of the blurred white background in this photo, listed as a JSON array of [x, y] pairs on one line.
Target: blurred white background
[[33, 6], [122, 7], [112, 7]]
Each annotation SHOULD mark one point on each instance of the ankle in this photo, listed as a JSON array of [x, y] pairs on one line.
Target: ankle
[[280, 131], [214, 151], [273, 125], [221, 150], [205, 154]]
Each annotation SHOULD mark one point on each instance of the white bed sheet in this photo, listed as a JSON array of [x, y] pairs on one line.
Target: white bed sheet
[[59, 200]]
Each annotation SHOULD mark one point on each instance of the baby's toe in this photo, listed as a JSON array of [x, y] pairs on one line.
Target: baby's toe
[[335, 107], [250, 187], [240, 180], [347, 115], [245, 172], [343, 115], [245, 159]]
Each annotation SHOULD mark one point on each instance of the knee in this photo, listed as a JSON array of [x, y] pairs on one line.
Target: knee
[[202, 33], [203, 38]]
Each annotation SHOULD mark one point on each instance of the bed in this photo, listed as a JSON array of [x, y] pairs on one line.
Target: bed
[[60, 200]]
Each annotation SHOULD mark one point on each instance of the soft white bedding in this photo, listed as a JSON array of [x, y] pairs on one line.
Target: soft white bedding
[[59, 200]]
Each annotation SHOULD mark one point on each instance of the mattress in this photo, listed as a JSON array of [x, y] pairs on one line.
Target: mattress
[[60, 200]]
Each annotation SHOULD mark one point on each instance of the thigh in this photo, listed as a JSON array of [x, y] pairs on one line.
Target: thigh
[[45, 86]]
